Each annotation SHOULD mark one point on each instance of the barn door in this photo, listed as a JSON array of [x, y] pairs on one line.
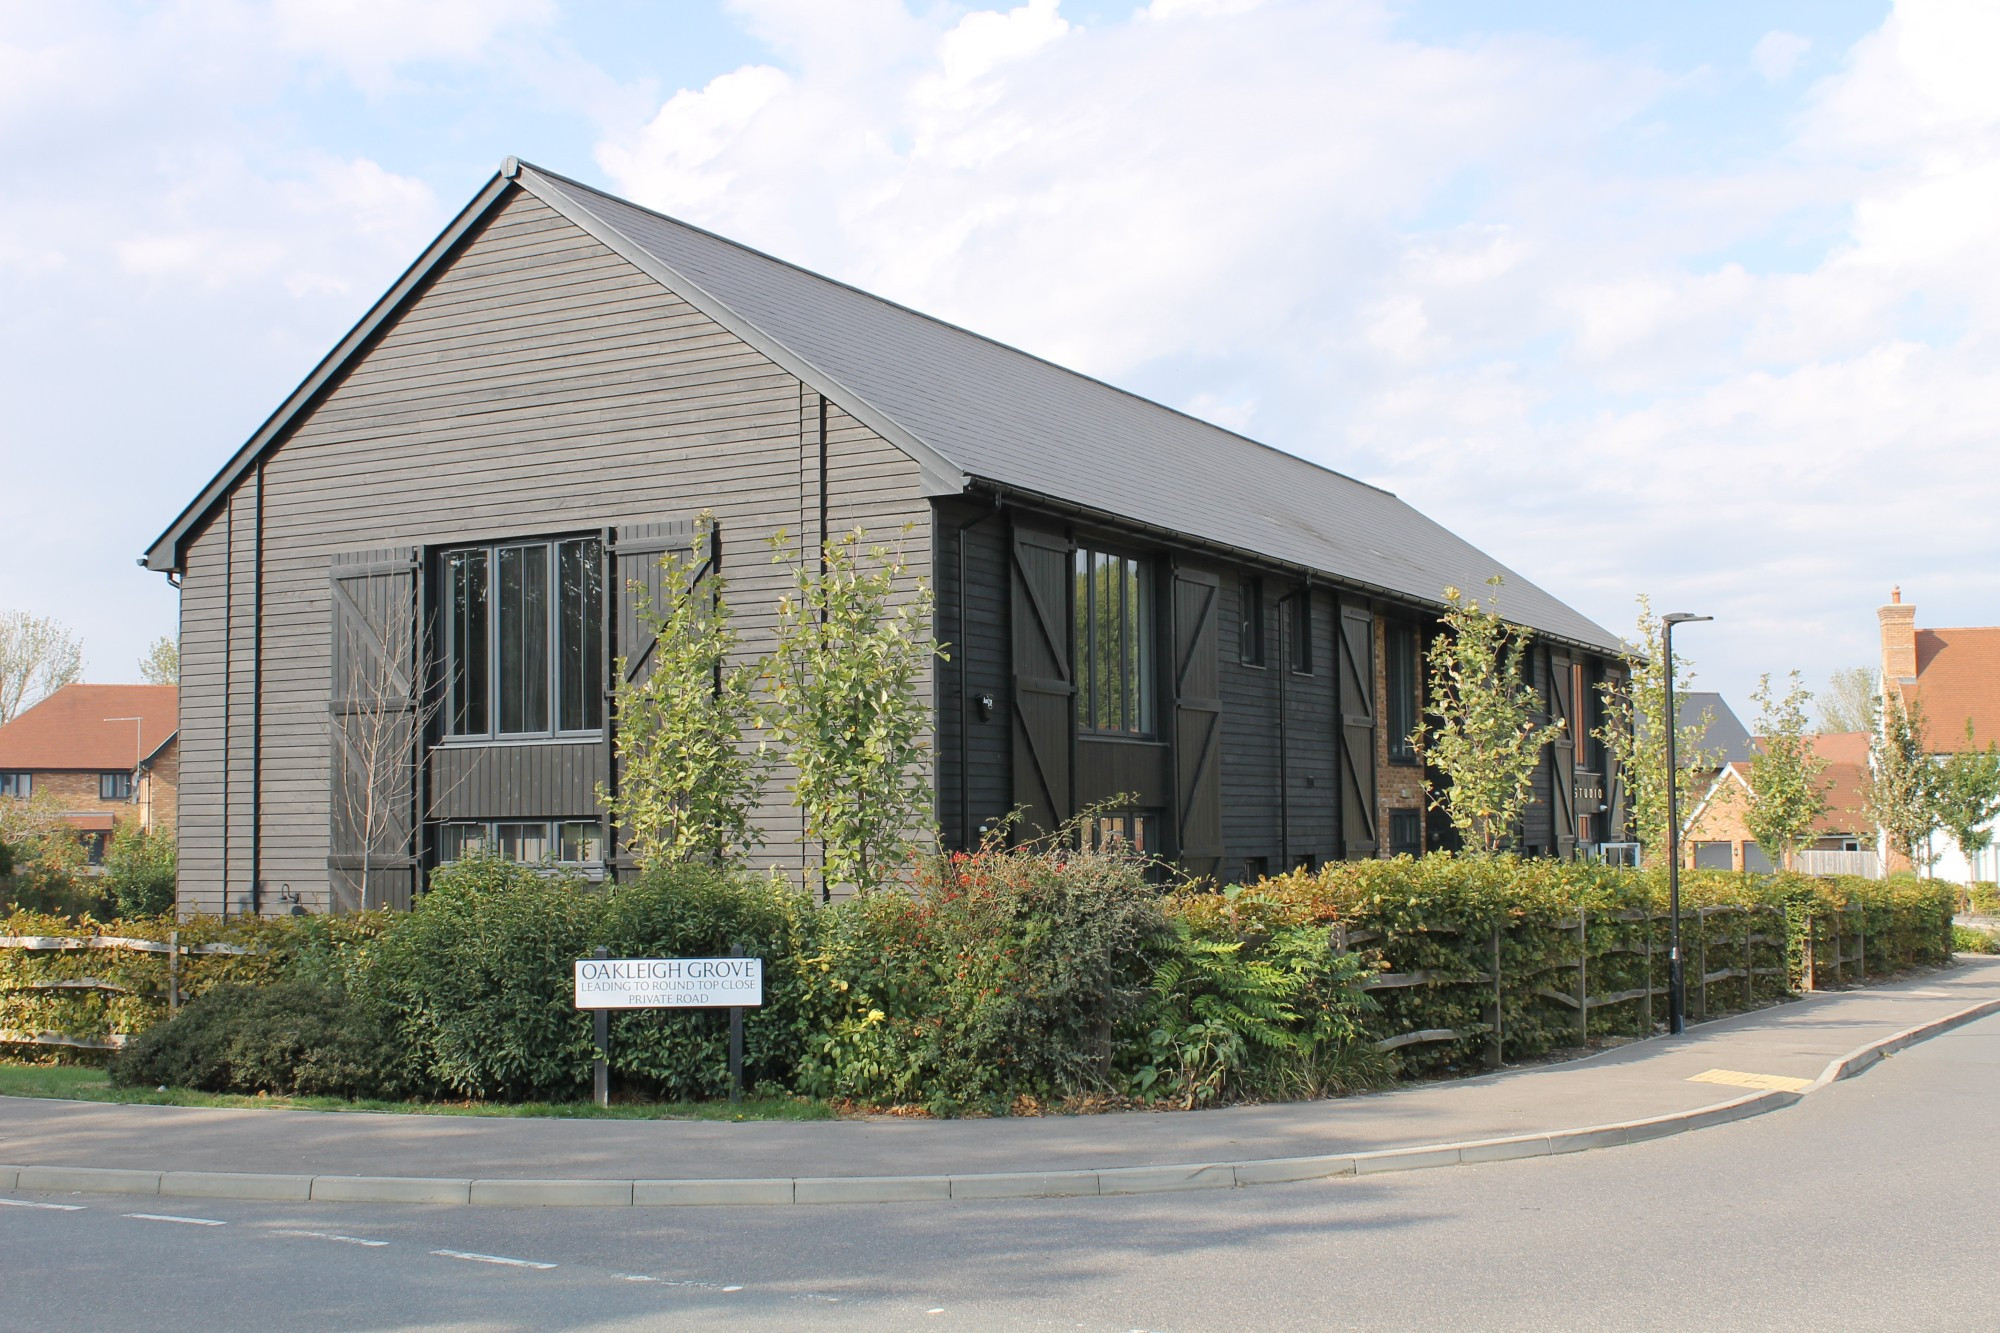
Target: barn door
[[1357, 732], [1043, 684], [1197, 668], [638, 582], [373, 746], [1562, 750]]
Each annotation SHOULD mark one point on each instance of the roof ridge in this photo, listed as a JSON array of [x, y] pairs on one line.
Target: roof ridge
[[945, 323]]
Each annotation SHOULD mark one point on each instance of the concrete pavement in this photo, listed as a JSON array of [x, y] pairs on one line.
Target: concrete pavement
[[1748, 1064]]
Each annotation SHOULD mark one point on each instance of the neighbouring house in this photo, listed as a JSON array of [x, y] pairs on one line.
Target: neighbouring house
[[443, 525], [1953, 676], [97, 754], [1718, 838]]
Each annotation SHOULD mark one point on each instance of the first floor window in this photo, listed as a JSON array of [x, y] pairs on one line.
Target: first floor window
[[531, 842], [524, 638], [1401, 666], [20, 786], [1250, 621], [1299, 628], [1114, 644], [114, 786]]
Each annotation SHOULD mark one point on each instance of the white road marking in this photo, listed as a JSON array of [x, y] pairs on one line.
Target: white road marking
[[732, 1288], [184, 1221], [328, 1235], [58, 1207], [491, 1259]]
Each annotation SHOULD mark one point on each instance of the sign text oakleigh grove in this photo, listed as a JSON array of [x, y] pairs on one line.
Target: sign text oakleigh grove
[[669, 983]]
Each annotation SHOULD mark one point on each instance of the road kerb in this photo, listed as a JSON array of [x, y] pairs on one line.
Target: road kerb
[[236, 1185], [1287, 1170], [552, 1193], [712, 1193], [1165, 1179], [871, 1189], [390, 1189], [1025, 1185], [85, 1180]]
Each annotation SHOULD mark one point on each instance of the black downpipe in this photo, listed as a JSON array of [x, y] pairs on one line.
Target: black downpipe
[[825, 889], [257, 705], [964, 688]]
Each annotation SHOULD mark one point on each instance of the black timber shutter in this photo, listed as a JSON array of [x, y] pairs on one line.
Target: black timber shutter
[[1356, 756], [1562, 749], [1614, 775], [1043, 685], [373, 747], [637, 582], [1197, 735]]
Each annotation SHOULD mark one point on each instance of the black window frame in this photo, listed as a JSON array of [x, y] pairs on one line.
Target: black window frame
[[1406, 832], [1250, 631], [568, 691], [114, 786], [19, 784], [1299, 626], [1138, 644], [1402, 701], [491, 839]]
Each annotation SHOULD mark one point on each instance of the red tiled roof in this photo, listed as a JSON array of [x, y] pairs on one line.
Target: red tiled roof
[[1846, 756], [68, 729], [1958, 677]]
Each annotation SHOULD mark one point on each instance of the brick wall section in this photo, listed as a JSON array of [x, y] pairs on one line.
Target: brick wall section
[[159, 789], [76, 793], [1397, 786]]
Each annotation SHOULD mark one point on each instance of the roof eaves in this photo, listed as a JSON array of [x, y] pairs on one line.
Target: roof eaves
[[164, 555], [942, 476]]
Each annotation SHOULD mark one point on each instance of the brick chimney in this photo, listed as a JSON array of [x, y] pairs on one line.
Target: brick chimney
[[1899, 641]]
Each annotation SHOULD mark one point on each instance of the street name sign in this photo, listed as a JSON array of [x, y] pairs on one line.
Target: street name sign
[[669, 983]]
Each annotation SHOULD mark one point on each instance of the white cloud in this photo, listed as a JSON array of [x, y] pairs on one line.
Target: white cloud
[[1443, 268], [1778, 53]]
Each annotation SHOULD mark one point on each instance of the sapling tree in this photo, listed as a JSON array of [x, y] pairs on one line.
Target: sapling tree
[[1787, 776], [843, 703], [1899, 793], [37, 657], [688, 775], [1968, 795], [1852, 701], [1636, 726], [1481, 729], [161, 662]]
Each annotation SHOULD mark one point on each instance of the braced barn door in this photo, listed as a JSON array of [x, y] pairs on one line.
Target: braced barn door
[[373, 746], [1356, 749], [638, 583], [1197, 665], [1562, 749], [1044, 686]]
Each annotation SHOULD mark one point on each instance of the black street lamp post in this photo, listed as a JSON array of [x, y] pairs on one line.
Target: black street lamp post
[[1677, 986]]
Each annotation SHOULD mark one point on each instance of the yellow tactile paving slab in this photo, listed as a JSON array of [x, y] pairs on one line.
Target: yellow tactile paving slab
[[1737, 1079]]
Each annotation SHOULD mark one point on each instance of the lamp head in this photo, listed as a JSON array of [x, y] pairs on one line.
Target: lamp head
[[1682, 617]]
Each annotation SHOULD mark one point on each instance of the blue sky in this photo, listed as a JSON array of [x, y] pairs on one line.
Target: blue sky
[[1691, 300]]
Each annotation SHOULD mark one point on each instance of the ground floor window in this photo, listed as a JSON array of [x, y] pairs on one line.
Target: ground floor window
[[1406, 832], [20, 786], [574, 843], [1138, 830]]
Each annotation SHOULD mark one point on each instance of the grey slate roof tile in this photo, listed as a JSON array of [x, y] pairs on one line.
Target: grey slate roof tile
[[1001, 415]]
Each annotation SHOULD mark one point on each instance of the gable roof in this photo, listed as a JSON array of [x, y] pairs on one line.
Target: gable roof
[[71, 728], [970, 410], [1958, 678]]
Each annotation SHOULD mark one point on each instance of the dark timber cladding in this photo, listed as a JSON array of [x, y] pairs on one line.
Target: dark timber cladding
[[453, 521]]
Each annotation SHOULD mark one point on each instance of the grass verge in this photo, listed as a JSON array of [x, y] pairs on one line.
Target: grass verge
[[84, 1084]]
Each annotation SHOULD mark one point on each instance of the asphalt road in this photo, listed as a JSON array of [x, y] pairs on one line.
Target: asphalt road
[[1870, 1205]]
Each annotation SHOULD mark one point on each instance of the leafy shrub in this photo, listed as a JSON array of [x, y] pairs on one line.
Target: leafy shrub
[[691, 910], [287, 1038], [992, 975], [481, 975], [1970, 939], [139, 870], [1984, 898]]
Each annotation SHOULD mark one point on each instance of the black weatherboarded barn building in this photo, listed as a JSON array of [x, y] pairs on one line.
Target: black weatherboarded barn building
[[443, 518]]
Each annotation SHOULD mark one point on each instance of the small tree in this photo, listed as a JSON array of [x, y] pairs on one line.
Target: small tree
[[1900, 791], [1636, 726], [1787, 776], [161, 663], [139, 870], [845, 706], [1968, 796], [381, 713], [37, 658], [1852, 702], [1480, 729], [687, 778]]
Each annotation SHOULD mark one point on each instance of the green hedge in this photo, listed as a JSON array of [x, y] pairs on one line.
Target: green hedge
[[1433, 928], [985, 983]]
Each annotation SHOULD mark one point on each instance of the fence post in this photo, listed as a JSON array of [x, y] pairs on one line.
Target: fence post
[[1582, 978], [173, 971], [600, 1032], [1749, 964], [1496, 1051], [1701, 959], [1806, 950]]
